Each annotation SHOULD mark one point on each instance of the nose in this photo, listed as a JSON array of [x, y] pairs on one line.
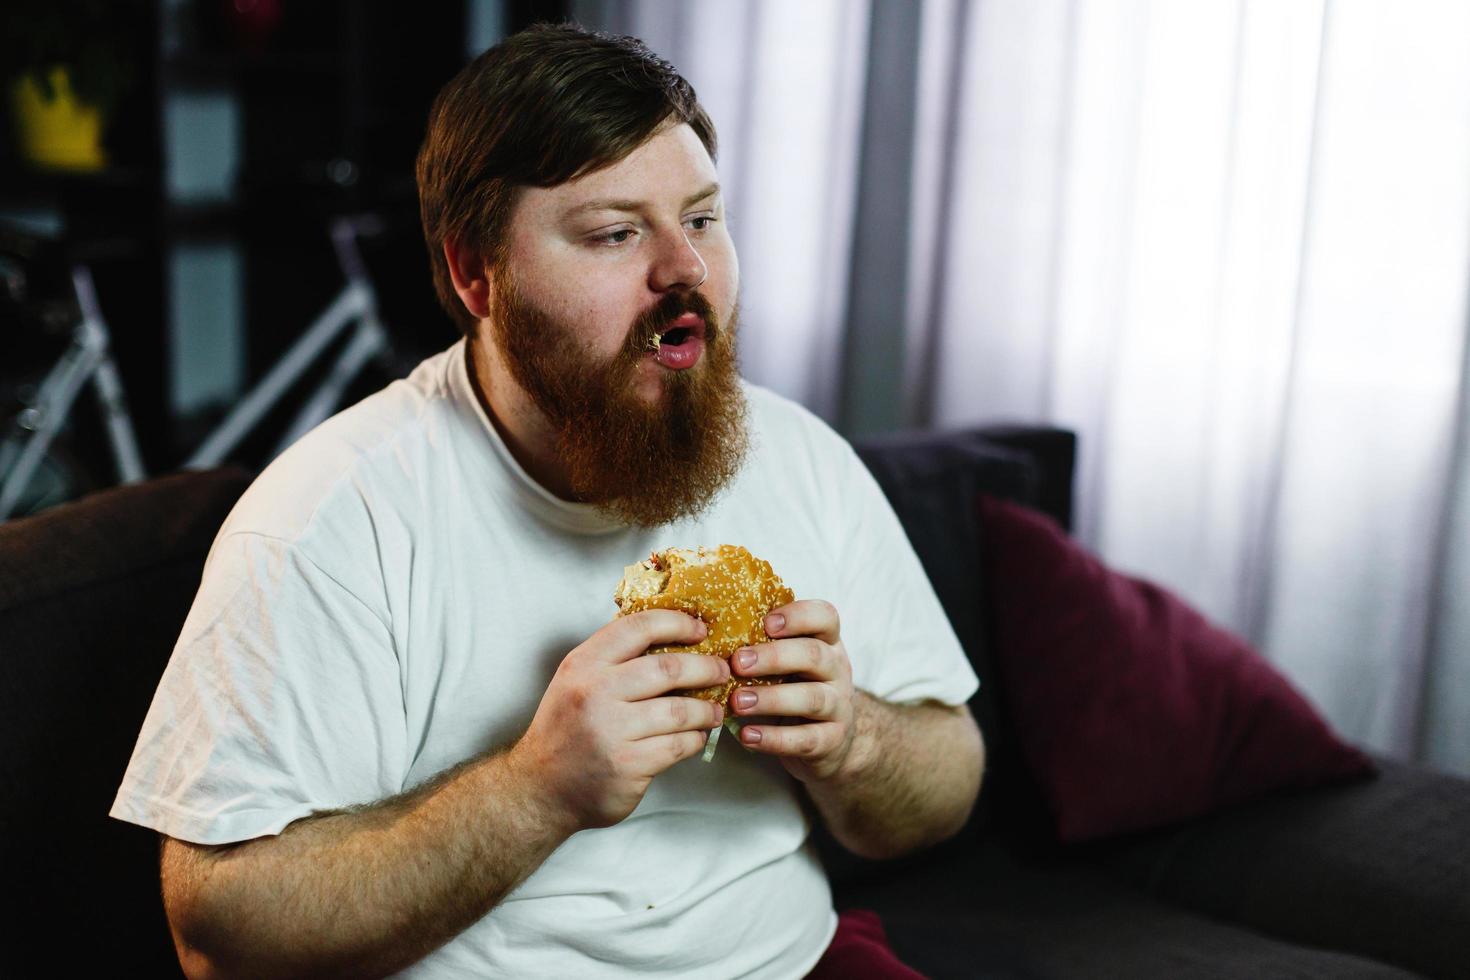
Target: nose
[[677, 264]]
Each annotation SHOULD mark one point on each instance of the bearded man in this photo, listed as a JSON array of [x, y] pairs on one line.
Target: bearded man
[[399, 733]]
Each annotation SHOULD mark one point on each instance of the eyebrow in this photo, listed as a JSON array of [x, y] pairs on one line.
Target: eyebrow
[[625, 205]]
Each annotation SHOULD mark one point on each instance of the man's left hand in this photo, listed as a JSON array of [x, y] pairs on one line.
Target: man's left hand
[[812, 729]]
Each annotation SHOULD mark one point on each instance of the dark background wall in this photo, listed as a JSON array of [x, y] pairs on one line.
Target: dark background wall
[[239, 131]]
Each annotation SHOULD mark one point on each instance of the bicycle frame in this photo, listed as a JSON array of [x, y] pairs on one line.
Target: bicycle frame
[[357, 302], [87, 359]]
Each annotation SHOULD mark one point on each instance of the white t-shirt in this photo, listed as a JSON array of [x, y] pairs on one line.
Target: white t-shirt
[[391, 597]]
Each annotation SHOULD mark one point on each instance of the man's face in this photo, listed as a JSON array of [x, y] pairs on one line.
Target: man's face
[[615, 313]]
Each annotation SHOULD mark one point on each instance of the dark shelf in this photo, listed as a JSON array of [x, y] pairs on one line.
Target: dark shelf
[[336, 81]]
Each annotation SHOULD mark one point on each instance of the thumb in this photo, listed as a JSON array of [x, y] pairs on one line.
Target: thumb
[[630, 636]]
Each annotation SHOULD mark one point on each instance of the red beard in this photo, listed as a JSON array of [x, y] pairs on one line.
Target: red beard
[[639, 463]]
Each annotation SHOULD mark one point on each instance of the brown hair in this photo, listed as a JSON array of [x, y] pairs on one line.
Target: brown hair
[[540, 108]]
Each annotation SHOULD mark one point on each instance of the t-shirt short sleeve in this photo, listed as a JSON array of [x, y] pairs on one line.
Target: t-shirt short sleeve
[[282, 698], [901, 644]]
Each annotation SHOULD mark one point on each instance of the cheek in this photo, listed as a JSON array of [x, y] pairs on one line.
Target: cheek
[[559, 279], [723, 283], [597, 310], [732, 263]]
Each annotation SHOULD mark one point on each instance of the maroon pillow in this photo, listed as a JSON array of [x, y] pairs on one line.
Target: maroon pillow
[[1133, 711]]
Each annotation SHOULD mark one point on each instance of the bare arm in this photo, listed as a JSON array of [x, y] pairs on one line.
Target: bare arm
[[365, 892], [911, 778], [368, 891]]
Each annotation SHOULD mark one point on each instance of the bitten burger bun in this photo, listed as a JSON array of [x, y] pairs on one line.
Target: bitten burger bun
[[727, 587]]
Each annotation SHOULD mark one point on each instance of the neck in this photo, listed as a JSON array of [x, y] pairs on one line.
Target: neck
[[525, 431]]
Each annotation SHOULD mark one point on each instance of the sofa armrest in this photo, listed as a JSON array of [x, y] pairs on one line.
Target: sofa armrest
[[1378, 867], [92, 596], [1054, 454]]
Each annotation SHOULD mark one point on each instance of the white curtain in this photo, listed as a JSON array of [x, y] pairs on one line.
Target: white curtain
[[1227, 242]]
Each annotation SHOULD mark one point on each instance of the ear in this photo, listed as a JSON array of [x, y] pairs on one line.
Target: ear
[[471, 277]]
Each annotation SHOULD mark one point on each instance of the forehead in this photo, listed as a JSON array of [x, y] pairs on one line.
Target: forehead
[[663, 171]]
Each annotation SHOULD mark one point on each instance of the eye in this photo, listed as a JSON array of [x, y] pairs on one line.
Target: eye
[[703, 221], [617, 237]]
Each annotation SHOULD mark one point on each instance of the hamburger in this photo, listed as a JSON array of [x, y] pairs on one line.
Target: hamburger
[[727, 587]]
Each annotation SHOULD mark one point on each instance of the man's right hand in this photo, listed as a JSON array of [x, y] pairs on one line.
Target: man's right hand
[[605, 726]]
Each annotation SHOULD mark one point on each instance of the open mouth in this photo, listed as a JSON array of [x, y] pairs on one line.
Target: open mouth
[[686, 328], [681, 345]]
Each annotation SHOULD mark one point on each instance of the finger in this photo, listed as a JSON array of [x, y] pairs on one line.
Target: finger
[[660, 673], [805, 617], [656, 753], [805, 655], [663, 716], [630, 636], [815, 700], [808, 741]]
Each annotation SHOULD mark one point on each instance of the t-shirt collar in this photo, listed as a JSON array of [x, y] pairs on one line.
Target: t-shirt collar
[[565, 514]]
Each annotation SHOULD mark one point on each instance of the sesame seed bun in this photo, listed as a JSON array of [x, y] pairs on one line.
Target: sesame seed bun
[[727, 587]]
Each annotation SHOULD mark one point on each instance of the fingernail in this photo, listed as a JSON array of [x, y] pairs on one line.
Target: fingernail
[[750, 735], [719, 714], [745, 659], [745, 699], [774, 623]]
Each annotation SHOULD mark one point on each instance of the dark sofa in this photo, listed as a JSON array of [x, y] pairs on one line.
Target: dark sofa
[[1363, 879]]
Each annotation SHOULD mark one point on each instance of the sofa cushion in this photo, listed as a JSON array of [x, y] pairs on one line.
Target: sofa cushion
[[1375, 867], [1132, 711], [985, 912]]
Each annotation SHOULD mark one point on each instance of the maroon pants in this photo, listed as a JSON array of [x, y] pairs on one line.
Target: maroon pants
[[860, 951]]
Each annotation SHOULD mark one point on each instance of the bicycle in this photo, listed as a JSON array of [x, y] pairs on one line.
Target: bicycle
[[88, 358]]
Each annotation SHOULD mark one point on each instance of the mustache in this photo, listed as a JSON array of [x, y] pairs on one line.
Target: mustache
[[658, 318]]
